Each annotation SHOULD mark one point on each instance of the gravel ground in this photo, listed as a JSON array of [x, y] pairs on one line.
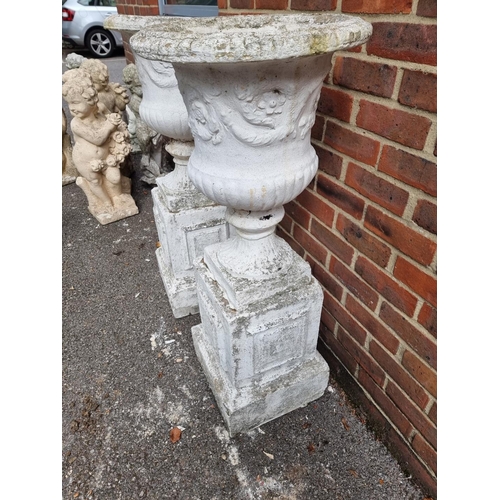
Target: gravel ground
[[130, 375]]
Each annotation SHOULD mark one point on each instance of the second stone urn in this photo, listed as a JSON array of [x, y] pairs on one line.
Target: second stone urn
[[185, 218], [251, 86]]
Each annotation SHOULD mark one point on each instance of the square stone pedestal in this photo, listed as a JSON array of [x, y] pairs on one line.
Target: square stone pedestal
[[183, 235], [261, 360]]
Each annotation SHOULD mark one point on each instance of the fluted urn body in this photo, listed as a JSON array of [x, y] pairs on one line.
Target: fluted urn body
[[162, 106]]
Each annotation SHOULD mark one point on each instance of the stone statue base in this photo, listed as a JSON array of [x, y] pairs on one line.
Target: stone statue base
[[123, 205], [260, 359], [183, 235], [68, 179]]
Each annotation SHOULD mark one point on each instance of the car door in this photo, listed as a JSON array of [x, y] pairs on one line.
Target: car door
[[107, 8]]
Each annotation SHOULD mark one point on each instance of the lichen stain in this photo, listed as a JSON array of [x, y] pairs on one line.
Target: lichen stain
[[319, 44]]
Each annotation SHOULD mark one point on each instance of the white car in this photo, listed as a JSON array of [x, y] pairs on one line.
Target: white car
[[82, 26]]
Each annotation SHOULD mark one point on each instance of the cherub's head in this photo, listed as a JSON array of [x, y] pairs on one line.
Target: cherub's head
[[131, 79], [98, 72], [79, 92]]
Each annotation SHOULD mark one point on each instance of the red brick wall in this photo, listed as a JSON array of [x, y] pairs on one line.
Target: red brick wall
[[367, 223]]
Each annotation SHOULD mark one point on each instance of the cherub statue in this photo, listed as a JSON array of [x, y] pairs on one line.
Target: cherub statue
[[74, 60], [146, 140], [112, 95], [101, 145], [69, 172]]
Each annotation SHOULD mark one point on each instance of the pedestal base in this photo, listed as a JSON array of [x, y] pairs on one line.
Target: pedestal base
[[261, 360], [183, 236], [124, 205]]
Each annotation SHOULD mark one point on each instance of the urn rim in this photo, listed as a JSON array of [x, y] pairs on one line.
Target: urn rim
[[241, 38]]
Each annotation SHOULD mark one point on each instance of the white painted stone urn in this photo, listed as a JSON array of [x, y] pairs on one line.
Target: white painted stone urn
[[251, 86], [186, 219]]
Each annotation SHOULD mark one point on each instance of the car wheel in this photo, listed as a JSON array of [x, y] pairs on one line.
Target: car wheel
[[100, 42]]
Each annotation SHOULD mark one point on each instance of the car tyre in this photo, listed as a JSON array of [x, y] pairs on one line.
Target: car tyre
[[100, 43]]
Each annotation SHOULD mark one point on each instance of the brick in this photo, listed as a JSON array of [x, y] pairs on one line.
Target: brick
[[154, 10], [298, 214], [313, 4], [404, 42], [425, 451], [326, 279], [339, 350], [417, 340], [415, 245], [386, 286], [356, 286], [376, 189], [317, 128], [361, 356], [271, 4], [399, 126], [353, 144], [311, 202], [329, 323], [335, 103], [340, 196], [419, 281], [413, 170], [309, 244], [419, 90], [433, 413], [388, 407], [369, 77], [329, 162], [414, 414], [367, 244], [242, 4], [344, 319], [427, 8], [410, 463], [377, 6], [420, 372], [222, 4], [372, 325], [425, 215], [428, 319], [286, 223], [399, 375], [331, 241]]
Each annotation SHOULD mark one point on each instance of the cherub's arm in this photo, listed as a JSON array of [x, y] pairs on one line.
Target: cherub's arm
[[97, 136]]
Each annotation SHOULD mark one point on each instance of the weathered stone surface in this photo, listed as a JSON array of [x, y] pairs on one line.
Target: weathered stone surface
[[250, 38], [183, 235], [101, 146], [69, 172], [143, 138], [260, 360]]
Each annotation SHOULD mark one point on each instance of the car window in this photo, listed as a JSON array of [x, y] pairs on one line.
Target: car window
[[108, 3], [86, 3]]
